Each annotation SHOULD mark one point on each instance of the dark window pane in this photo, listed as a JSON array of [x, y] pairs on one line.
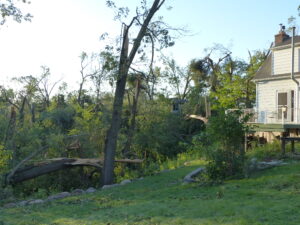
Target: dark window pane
[[282, 98]]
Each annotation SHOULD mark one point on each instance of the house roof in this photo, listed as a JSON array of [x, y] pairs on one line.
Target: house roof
[[265, 71]]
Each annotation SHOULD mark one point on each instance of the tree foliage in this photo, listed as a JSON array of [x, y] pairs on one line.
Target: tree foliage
[[8, 8], [222, 145]]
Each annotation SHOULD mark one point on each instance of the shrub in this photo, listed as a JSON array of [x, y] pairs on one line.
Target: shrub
[[222, 145]]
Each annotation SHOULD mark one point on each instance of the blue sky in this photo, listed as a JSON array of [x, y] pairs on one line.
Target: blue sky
[[62, 29], [241, 25]]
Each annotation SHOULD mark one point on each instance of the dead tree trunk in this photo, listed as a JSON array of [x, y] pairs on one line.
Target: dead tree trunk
[[29, 172], [130, 133], [207, 107], [21, 112], [112, 134], [11, 125]]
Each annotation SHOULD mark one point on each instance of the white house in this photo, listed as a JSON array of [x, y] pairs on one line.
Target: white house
[[277, 87]]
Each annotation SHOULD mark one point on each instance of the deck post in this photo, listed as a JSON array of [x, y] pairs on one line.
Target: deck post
[[293, 146]]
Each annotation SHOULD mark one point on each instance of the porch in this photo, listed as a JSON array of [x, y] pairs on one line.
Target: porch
[[281, 119]]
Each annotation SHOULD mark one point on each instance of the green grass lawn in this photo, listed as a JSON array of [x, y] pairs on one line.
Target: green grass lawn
[[269, 197]]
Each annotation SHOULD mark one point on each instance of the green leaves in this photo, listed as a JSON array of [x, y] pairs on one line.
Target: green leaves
[[9, 9], [221, 144], [5, 157]]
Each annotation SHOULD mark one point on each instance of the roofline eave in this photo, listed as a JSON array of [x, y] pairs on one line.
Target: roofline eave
[[275, 77]]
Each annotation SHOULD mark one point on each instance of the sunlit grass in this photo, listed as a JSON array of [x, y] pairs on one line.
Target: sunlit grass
[[269, 197]]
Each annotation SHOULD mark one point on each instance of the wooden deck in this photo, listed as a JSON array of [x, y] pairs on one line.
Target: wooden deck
[[272, 127]]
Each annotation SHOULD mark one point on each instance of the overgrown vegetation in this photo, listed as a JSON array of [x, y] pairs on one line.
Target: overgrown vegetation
[[48, 127]]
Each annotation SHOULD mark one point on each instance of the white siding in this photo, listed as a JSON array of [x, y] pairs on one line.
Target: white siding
[[267, 93], [282, 61]]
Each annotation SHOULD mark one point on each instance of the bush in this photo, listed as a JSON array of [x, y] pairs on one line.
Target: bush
[[222, 145]]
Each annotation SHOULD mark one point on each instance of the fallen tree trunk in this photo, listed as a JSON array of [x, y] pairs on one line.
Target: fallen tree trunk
[[198, 117], [12, 172], [33, 171], [52, 165]]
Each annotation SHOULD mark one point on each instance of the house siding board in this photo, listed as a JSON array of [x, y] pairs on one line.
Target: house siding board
[[282, 61]]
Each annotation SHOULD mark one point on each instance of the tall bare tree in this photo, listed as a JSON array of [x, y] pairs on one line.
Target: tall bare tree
[[126, 58]]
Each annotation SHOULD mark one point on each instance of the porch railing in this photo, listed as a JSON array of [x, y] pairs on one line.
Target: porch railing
[[278, 115]]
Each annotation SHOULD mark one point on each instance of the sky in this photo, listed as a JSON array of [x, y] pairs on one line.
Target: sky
[[61, 29]]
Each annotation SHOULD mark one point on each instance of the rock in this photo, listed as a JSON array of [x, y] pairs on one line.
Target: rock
[[253, 164], [77, 192], [59, 196], [110, 186], [189, 178], [37, 201], [141, 178], [165, 171], [253, 160], [125, 182], [23, 203], [10, 205], [90, 190], [266, 165]]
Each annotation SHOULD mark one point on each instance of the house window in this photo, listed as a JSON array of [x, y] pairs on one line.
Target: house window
[[175, 107], [282, 103], [285, 105]]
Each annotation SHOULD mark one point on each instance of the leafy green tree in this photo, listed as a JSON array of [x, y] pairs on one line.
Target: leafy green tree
[[206, 72], [236, 88], [160, 132], [9, 9]]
